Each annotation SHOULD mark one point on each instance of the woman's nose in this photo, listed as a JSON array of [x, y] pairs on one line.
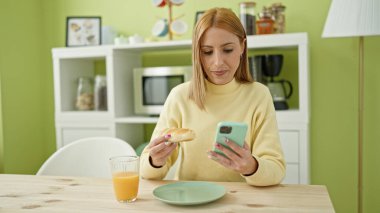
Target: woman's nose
[[218, 59]]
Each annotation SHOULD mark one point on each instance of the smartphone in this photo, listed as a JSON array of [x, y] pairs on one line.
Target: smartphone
[[234, 131]]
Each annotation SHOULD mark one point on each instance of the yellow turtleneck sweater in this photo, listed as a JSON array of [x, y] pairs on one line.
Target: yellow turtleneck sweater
[[248, 103]]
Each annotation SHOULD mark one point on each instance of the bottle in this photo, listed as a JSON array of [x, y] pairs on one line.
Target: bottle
[[85, 94], [248, 17], [265, 23], [100, 93], [278, 12]]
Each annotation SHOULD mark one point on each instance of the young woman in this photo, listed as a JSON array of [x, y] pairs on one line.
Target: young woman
[[221, 90]]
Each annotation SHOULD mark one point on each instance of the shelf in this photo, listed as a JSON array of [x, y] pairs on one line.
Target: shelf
[[102, 50], [137, 120], [289, 40], [84, 116], [81, 52], [149, 46], [255, 42], [291, 115], [87, 113]]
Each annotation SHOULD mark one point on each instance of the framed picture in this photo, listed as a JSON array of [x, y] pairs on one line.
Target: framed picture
[[83, 31], [198, 16]]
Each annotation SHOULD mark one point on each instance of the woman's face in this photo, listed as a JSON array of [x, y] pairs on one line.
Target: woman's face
[[220, 55]]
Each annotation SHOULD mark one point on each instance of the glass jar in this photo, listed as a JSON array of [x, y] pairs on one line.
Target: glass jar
[[101, 93], [85, 94], [265, 23], [248, 17], [278, 12]]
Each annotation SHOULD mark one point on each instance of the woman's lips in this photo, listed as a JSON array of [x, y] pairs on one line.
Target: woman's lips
[[219, 73]]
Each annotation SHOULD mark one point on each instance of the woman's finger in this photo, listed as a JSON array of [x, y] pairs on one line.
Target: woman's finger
[[246, 147], [239, 163], [157, 149], [166, 152], [220, 159], [159, 140], [236, 148], [230, 154], [240, 166]]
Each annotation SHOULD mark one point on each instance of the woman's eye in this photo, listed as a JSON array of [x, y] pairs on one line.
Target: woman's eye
[[228, 50], [207, 52]]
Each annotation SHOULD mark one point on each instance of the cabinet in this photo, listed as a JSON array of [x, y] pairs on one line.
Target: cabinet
[[119, 119]]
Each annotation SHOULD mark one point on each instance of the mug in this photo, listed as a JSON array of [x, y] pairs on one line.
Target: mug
[[178, 27], [177, 2], [120, 40], [159, 3], [135, 39], [160, 28]]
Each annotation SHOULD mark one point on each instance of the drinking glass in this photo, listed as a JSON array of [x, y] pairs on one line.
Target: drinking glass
[[125, 177]]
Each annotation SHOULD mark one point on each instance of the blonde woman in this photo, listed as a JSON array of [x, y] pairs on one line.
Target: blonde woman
[[221, 90]]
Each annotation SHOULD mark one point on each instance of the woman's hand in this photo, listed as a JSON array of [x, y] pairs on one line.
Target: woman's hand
[[160, 150], [241, 160]]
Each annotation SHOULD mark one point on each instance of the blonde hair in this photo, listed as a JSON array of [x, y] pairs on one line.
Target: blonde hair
[[225, 19]]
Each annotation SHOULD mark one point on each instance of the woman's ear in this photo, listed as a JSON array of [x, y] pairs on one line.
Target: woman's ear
[[243, 46]]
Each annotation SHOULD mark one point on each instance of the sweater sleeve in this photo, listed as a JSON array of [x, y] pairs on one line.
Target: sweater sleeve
[[169, 117], [147, 171], [265, 146]]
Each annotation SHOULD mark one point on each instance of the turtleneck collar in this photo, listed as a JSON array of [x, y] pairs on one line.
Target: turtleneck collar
[[222, 89]]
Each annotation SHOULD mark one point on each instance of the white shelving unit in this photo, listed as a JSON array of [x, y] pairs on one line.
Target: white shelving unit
[[120, 121]]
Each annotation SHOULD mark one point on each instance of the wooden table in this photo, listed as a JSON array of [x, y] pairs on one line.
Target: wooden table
[[29, 193]]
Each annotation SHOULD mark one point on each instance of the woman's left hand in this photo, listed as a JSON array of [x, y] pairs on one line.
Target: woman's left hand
[[239, 160]]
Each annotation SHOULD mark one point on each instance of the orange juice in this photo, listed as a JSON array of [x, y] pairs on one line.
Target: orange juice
[[126, 185]]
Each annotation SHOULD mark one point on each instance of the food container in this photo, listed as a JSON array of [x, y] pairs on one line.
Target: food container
[[265, 23], [100, 93], [85, 94], [248, 17]]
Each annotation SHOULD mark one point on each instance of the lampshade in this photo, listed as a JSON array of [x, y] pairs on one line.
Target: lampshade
[[350, 18]]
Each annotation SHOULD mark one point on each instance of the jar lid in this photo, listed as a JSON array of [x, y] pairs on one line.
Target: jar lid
[[252, 3], [266, 13], [278, 6]]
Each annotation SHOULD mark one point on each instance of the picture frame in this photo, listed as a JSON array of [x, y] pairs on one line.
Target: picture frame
[[83, 31], [198, 15]]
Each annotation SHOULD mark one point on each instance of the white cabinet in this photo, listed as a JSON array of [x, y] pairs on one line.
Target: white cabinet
[[296, 150], [69, 132], [119, 119]]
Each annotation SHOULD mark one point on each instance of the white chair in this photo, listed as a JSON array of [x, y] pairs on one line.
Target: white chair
[[85, 157]]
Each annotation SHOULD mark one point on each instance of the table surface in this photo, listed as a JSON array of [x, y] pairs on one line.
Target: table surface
[[30, 193]]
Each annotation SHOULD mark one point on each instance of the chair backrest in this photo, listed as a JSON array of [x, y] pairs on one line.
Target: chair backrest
[[85, 157]]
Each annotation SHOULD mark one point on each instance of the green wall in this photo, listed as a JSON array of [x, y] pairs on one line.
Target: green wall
[[22, 79], [27, 84], [371, 125], [1, 133]]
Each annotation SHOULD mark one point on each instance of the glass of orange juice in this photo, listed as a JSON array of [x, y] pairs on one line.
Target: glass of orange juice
[[125, 177]]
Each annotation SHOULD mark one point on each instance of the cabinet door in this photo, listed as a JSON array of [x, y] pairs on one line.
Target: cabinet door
[[68, 134], [290, 144], [292, 174]]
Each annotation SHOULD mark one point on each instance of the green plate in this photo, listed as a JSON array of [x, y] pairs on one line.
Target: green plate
[[189, 193]]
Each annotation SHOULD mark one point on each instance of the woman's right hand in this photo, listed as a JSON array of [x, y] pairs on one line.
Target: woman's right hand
[[160, 150]]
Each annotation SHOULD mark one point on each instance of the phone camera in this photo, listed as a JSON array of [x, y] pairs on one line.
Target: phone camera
[[225, 129]]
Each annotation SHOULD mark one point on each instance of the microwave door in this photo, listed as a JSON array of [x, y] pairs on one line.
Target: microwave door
[[155, 90]]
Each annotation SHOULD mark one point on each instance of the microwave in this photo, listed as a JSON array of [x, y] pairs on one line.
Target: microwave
[[152, 86]]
